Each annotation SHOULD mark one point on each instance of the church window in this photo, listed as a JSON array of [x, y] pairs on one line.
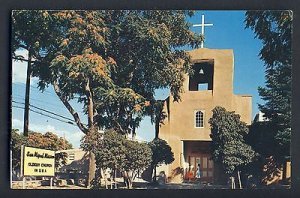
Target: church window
[[199, 119]]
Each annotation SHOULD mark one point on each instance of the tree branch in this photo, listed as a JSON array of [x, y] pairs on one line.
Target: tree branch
[[70, 108], [23, 59], [134, 175]]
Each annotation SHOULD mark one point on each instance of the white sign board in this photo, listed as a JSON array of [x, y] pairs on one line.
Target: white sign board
[[38, 162]]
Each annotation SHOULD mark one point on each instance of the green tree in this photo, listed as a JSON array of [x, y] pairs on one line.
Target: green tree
[[48, 141], [261, 137], [138, 158], [161, 154], [228, 145], [16, 141], [113, 151], [274, 29]]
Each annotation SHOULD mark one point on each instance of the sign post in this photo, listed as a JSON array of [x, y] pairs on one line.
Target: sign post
[[11, 166], [51, 182], [23, 183], [21, 168]]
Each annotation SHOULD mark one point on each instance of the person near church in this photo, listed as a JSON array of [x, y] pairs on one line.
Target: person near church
[[198, 173]]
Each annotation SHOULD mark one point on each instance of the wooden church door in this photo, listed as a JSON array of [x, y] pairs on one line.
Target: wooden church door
[[206, 166]]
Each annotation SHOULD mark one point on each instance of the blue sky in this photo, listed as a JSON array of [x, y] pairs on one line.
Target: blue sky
[[227, 32]]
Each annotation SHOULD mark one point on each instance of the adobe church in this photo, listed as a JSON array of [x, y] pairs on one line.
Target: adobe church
[[186, 127]]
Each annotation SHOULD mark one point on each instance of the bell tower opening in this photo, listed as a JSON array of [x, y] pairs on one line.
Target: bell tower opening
[[202, 79]]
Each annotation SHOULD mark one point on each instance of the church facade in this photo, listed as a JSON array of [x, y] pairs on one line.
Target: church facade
[[186, 127]]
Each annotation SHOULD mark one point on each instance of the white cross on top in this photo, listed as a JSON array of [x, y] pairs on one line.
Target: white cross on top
[[202, 28]]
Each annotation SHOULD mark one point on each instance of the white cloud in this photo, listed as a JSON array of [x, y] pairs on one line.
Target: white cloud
[[22, 52], [139, 138], [19, 69], [17, 124], [19, 72], [42, 128]]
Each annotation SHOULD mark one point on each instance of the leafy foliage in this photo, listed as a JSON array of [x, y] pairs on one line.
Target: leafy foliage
[[138, 156], [48, 141], [274, 28], [112, 60], [161, 152], [158, 115], [260, 135], [262, 139], [16, 141], [113, 151], [31, 30], [92, 141], [228, 145]]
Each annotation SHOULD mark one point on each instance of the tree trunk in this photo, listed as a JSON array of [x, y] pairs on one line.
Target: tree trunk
[[129, 183], [90, 105], [92, 169], [156, 128], [284, 168], [158, 117], [231, 180], [69, 108], [133, 132], [130, 179], [154, 174], [92, 162], [27, 94], [115, 176], [239, 178], [233, 183]]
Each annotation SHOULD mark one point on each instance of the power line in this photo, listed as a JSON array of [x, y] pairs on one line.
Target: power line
[[44, 110], [40, 102], [48, 111], [40, 113], [17, 107], [51, 112], [34, 99]]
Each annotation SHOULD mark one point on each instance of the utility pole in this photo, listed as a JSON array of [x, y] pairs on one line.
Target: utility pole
[[27, 93]]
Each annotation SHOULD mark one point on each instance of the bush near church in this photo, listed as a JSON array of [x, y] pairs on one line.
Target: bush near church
[[228, 144], [161, 154], [116, 153]]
